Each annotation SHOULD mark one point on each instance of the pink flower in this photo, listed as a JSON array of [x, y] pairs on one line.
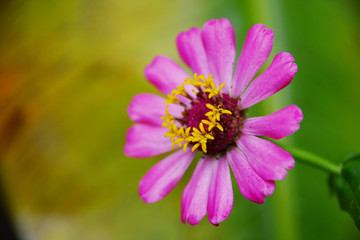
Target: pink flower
[[206, 113]]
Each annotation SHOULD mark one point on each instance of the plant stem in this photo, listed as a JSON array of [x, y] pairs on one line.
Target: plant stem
[[312, 159]]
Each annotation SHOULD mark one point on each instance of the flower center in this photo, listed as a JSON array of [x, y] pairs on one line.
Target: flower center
[[211, 120]]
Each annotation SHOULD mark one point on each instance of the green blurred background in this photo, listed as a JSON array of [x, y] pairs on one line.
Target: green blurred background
[[68, 70]]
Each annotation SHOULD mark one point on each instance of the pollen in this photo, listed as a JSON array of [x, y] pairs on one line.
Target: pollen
[[209, 122]]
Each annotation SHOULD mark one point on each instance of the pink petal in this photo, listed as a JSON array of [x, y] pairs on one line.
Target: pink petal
[[276, 125], [278, 75], [146, 141], [164, 176], [165, 74], [192, 52], [195, 196], [149, 108], [267, 159], [219, 41], [220, 201], [256, 50], [251, 185]]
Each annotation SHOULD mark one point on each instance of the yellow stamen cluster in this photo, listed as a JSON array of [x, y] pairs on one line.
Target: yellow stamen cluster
[[179, 90], [214, 116], [198, 136], [208, 84], [216, 112], [168, 119], [172, 97]]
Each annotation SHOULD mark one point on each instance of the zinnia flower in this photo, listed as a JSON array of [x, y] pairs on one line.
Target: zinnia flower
[[206, 113]]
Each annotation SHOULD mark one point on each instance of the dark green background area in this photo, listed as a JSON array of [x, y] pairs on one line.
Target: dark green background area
[[68, 70]]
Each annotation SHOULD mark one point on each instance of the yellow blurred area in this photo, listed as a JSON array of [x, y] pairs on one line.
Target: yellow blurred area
[[68, 69]]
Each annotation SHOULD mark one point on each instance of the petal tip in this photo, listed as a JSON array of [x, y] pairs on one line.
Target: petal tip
[[259, 201], [143, 190], [216, 219], [258, 198], [298, 114], [223, 22], [128, 139], [293, 68], [287, 56], [148, 70], [193, 221], [260, 29], [270, 188], [186, 34], [145, 198], [215, 223], [130, 111], [258, 26], [210, 22], [291, 164]]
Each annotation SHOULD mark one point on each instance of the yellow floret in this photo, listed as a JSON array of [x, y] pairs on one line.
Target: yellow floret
[[199, 136]]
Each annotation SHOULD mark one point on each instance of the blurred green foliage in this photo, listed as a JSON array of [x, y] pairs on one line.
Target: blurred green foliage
[[68, 69]]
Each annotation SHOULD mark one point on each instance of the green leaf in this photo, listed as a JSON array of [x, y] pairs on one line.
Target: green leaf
[[347, 187]]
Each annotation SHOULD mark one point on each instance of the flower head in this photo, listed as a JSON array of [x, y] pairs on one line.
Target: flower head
[[205, 113]]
